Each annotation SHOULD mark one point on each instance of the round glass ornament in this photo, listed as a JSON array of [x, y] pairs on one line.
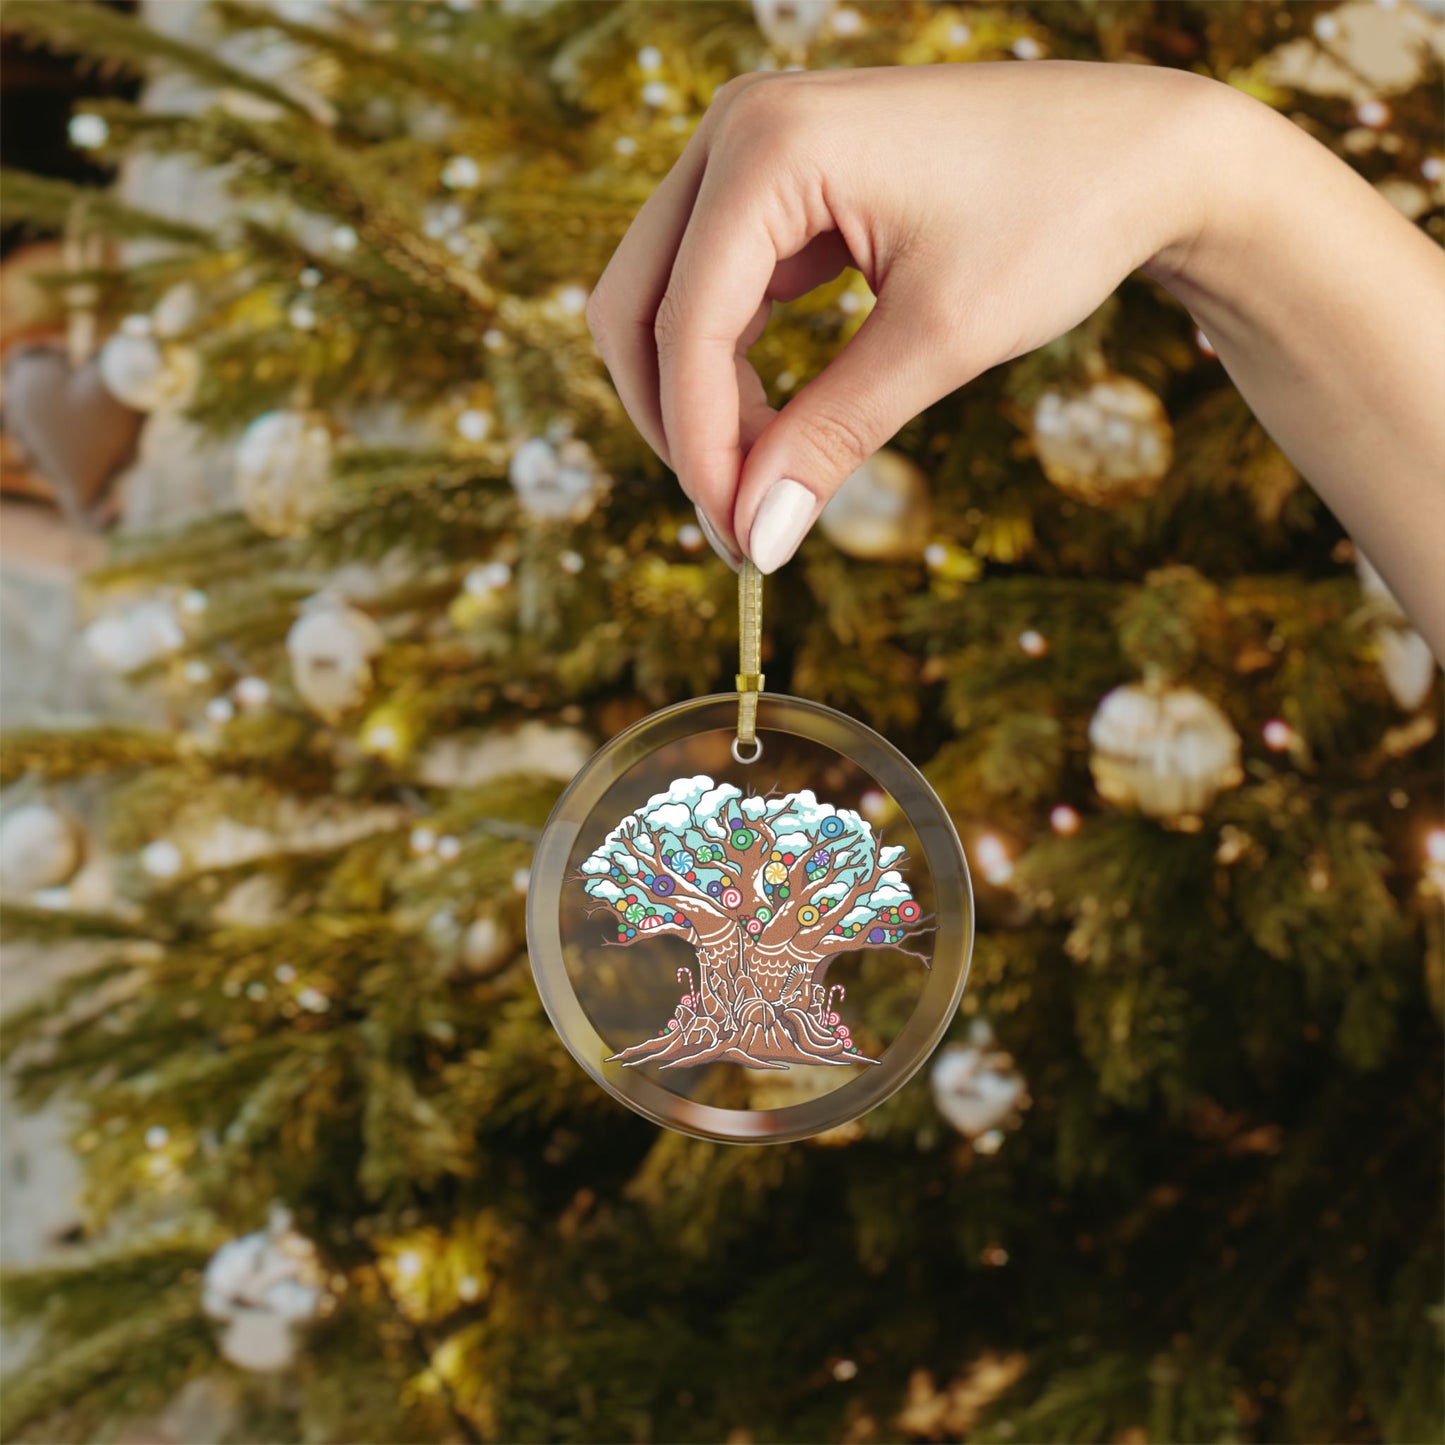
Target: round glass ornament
[[725, 939]]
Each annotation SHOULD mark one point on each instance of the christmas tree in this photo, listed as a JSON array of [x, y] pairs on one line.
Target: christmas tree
[[1176, 1176]]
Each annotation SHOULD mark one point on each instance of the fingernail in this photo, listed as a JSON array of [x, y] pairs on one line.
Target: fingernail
[[715, 541], [781, 524]]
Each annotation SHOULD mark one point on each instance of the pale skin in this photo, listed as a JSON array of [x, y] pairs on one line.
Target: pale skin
[[991, 208]]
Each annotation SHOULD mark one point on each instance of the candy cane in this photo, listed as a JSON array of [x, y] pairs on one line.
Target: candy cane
[[840, 991], [686, 973]]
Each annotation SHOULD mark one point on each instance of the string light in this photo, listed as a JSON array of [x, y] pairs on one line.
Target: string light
[[157, 1136], [474, 425], [161, 859], [1033, 642], [489, 577], [1064, 820], [88, 132], [845, 1370], [1373, 113], [993, 859], [253, 692], [408, 1264], [1278, 735], [423, 840], [449, 849], [220, 710]]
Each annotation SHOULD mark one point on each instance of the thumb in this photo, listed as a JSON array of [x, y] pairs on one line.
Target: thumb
[[900, 361]]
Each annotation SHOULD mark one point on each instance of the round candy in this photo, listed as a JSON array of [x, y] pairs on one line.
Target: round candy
[[775, 873], [820, 858], [714, 889], [742, 839], [775, 856], [662, 885], [807, 915], [876, 935], [831, 826], [763, 914], [731, 898], [634, 913], [788, 859], [753, 926], [678, 918], [682, 860], [909, 912]]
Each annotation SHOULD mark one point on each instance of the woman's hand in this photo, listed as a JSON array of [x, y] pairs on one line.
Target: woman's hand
[[989, 207]]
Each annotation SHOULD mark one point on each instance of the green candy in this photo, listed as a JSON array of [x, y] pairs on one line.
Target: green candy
[[742, 839]]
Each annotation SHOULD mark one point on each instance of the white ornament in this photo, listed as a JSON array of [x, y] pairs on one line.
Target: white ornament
[[1163, 751], [141, 373], [40, 847], [261, 1287], [1406, 661], [331, 647], [1108, 443], [135, 637], [792, 25], [486, 946], [881, 512], [344, 239], [283, 470], [976, 1087], [555, 482]]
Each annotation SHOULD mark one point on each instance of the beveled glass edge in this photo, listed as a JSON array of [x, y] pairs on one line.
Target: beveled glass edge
[[943, 854]]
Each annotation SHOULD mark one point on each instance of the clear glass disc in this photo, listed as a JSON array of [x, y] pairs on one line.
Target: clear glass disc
[[750, 951]]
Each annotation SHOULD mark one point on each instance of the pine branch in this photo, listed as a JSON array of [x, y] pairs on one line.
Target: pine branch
[[52, 204], [119, 42], [82, 752]]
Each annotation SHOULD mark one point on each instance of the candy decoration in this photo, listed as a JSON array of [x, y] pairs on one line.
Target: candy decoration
[[775, 873], [763, 915], [662, 885], [909, 912], [753, 927], [731, 898], [634, 913], [821, 858], [742, 839], [714, 890], [807, 915], [682, 860], [831, 826]]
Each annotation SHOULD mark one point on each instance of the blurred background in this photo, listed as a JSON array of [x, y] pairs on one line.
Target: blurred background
[[329, 556]]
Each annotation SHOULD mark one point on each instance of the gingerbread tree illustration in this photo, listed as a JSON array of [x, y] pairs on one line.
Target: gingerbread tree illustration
[[768, 890]]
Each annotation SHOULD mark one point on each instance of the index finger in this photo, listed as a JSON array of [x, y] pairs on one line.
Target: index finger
[[719, 285]]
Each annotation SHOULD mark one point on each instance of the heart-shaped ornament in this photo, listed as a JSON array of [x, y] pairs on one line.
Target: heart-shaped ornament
[[77, 435]]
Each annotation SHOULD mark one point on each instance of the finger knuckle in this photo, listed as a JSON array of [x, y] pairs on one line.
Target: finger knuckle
[[839, 440], [763, 116], [668, 324], [598, 317]]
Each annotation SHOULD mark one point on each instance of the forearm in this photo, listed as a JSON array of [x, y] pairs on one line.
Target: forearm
[[1327, 309]]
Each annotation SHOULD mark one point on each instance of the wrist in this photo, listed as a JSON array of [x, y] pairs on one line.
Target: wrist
[[1221, 146]]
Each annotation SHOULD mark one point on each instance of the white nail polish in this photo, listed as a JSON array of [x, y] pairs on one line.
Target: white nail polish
[[716, 542], [788, 510]]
